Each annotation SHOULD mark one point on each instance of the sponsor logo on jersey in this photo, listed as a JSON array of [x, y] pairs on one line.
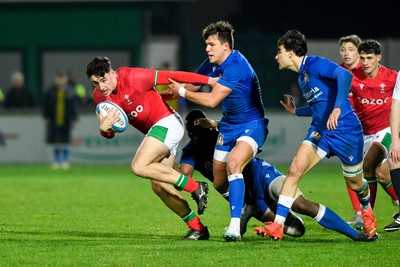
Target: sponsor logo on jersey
[[373, 101], [315, 135], [361, 86], [314, 93]]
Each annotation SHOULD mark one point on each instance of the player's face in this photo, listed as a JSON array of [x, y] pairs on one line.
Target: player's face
[[283, 58], [370, 63], [349, 54], [106, 84], [217, 52]]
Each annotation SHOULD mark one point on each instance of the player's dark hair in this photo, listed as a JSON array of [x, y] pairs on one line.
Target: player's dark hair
[[370, 47], [222, 29], [98, 66], [197, 134], [295, 41], [353, 38], [191, 117]]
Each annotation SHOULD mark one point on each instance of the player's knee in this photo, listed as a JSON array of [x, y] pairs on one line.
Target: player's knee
[[295, 171], [138, 169], [233, 166]]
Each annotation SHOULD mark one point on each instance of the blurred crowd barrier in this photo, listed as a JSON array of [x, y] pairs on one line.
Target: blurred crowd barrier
[[22, 140]]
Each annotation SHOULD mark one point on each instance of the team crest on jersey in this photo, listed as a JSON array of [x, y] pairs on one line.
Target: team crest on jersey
[[315, 135], [305, 76], [127, 99], [382, 86], [220, 140]]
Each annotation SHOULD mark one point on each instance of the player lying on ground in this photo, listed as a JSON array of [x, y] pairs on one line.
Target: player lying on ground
[[263, 182]]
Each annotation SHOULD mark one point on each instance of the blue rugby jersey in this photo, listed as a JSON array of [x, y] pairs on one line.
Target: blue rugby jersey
[[325, 85], [244, 103]]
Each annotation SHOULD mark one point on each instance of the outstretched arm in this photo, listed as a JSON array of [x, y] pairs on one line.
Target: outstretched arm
[[207, 99]]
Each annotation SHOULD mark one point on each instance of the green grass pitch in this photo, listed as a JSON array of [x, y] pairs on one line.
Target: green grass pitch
[[102, 215]]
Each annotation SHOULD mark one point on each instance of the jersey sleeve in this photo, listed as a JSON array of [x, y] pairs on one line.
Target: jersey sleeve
[[304, 111], [179, 76], [231, 76], [343, 78]]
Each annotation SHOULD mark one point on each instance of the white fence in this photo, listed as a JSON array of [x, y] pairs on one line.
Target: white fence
[[22, 140]]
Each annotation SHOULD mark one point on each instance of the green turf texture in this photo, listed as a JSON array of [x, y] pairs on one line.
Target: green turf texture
[[102, 215]]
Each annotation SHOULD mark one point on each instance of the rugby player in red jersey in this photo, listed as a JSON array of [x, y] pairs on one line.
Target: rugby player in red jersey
[[133, 89], [372, 88], [348, 49]]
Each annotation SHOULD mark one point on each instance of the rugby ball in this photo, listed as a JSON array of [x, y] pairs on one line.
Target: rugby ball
[[123, 122]]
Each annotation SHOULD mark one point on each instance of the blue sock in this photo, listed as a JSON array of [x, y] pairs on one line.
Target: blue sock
[[329, 219], [282, 210], [236, 194]]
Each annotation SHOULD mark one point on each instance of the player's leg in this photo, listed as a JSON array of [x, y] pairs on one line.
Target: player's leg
[[395, 176], [327, 218], [354, 180], [175, 201], [384, 179], [294, 225], [238, 159], [372, 159], [220, 182], [161, 142], [305, 158], [356, 221]]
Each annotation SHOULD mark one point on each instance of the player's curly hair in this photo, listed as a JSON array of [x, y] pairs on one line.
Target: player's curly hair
[[98, 66], [370, 47], [295, 41], [222, 29]]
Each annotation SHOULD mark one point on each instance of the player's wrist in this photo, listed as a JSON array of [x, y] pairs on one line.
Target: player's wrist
[[182, 92]]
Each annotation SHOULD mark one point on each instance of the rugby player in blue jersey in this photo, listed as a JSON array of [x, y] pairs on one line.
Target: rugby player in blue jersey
[[334, 131], [263, 182], [243, 128]]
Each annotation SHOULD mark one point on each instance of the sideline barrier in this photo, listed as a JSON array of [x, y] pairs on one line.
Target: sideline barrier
[[22, 140]]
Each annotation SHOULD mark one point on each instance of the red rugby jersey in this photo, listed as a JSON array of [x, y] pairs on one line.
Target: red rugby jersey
[[136, 94], [372, 98]]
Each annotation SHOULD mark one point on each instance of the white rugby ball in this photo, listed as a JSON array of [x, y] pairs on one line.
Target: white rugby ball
[[123, 122]]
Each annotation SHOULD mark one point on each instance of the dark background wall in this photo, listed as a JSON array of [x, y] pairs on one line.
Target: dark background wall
[[32, 28]]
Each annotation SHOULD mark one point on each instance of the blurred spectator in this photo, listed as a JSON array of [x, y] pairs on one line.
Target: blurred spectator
[[18, 96], [60, 111], [84, 99]]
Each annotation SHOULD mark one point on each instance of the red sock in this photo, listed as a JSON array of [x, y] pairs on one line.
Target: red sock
[[390, 191], [196, 224], [354, 200], [372, 189], [191, 185]]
